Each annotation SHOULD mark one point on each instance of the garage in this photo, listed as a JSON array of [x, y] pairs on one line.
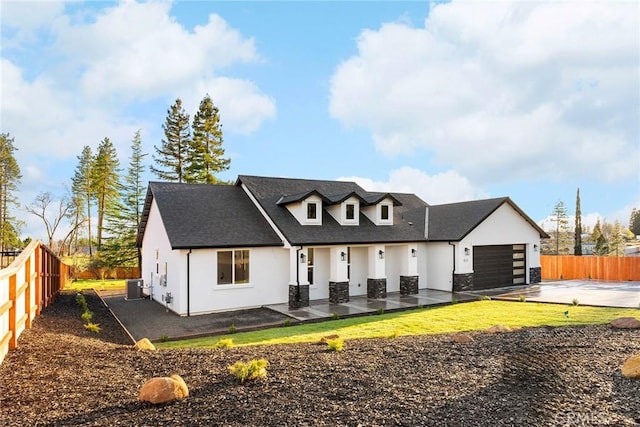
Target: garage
[[498, 265]]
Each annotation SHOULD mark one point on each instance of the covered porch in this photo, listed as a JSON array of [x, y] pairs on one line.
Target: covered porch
[[358, 305]]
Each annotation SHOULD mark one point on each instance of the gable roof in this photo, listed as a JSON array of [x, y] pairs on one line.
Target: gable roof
[[207, 216], [454, 221], [408, 221]]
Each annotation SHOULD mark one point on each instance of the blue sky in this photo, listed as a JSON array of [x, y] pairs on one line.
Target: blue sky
[[453, 101]]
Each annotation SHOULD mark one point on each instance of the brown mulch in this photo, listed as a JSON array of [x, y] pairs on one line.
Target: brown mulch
[[63, 375]]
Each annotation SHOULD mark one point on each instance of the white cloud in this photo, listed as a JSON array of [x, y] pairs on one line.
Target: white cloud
[[445, 187], [23, 19], [502, 90]]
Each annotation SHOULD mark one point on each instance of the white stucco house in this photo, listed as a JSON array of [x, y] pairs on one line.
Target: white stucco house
[[208, 248]]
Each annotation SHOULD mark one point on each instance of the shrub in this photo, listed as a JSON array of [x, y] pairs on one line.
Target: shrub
[[454, 300], [87, 316], [522, 298], [335, 345], [93, 327], [252, 370], [380, 311], [286, 323], [484, 298], [575, 301], [224, 343], [335, 316], [81, 301], [164, 338], [231, 329]]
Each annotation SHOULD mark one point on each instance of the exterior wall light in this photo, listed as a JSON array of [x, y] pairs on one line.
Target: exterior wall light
[[303, 258], [466, 251], [343, 256], [414, 253], [381, 254], [535, 247]]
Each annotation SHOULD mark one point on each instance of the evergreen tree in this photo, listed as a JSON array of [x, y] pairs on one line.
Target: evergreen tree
[[171, 157], [634, 222], [120, 248], [559, 216], [105, 183], [602, 247], [616, 242], [82, 192], [9, 180], [577, 239], [206, 155]]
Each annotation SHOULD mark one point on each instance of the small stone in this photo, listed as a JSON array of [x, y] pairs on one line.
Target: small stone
[[626, 323], [462, 338], [163, 389], [496, 329], [631, 367], [145, 344]]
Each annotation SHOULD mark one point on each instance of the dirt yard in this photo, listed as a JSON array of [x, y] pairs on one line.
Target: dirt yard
[[63, 375]]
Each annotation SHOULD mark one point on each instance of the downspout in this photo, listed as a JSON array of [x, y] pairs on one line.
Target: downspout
[[188, 283], [453, 272]]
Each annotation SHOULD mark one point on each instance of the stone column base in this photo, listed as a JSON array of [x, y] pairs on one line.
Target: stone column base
[[535, 275], [298, 296], [408, 285], [462, 282], [376, 288], [338, 292]]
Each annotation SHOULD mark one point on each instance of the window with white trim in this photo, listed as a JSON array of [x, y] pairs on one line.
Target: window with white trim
[[233, 267], [350, 213], [312, 210], [384, 212]]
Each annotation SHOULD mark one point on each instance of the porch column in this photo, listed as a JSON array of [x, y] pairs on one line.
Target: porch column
[[377, 277], [409, 276], [338, 275], [298, 285]]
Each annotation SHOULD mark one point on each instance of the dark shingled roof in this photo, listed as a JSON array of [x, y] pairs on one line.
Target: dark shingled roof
[[408, 215], [207, 216], [453, 221]]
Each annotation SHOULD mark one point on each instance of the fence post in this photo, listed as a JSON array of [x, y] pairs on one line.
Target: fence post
[[13, 326]]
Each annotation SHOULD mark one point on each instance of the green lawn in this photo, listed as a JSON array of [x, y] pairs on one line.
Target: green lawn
[[452, 318], [80, 285]]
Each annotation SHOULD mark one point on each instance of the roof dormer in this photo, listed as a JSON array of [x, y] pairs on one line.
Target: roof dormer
[[346, 210], [305, 207], [380, 209]]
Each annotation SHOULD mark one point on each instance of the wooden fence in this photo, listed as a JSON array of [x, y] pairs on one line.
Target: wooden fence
[[28, 285], [590, 267]]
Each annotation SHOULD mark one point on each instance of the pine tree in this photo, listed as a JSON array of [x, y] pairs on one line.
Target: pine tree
[[559, 216], [616, 242], [105, 183], [206, 155], [171, 157], [120, 247], [82, 191], [9, 180], [577, 239], [602, 247], [634, 222]]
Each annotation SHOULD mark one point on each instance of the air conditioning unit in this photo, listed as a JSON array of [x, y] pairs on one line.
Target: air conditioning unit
[[134, 289]]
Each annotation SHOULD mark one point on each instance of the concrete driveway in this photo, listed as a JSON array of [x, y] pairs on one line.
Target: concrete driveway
[[587, 292]]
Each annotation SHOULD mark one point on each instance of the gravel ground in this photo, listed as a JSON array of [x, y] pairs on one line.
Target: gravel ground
[[63, 375]]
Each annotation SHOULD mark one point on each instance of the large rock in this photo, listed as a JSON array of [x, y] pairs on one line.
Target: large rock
[[145, 344], [631, 367], [461, 338], [163, 389], [496, 329], [626, 323]]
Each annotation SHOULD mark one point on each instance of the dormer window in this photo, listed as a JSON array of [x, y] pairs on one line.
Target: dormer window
[[384, 212], [312, 210], [350, 213]]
